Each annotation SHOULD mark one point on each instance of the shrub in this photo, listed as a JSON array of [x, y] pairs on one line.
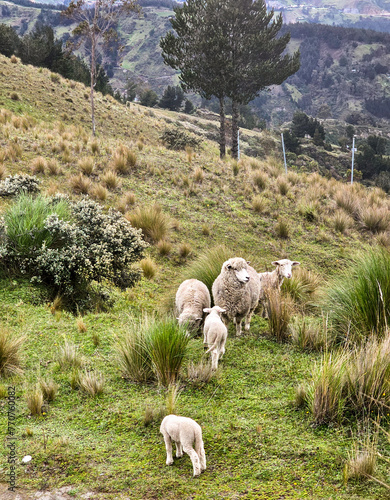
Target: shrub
[[10, 354], [166, 344], [177, 139], [155, 224], [14, 96], [357, 299], [55, 77], [15, 184], [70, 255]]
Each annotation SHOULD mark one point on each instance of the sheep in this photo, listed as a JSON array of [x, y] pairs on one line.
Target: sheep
[[273, 280], [215, 334], [237, 290], [192, 297], [185, 432]]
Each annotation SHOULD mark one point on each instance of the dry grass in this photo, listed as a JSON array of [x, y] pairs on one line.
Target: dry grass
[[34, 399], [282, 229], [91, 383], [259, 204], [347, 199], [38, 165], [198, 175], [341, 222], [81, 326], [200, 373], [279, 310], [95, 148], [260, 179], [184, 250], [49, 389], [86, 165], [69, 357], [52, 167], [282, 185], [111, 179], [155, 224], [148, 267], [361, 463], [80, 184], [374, 219], [164, 247], [99, 192], [10, 359]]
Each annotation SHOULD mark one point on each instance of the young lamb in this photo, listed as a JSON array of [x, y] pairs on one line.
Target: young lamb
[[273, 280], [192, 297], [215, 334], [185, 432], [237, 290]]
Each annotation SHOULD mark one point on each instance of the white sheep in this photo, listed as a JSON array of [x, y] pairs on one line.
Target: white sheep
[[185, 432], [273, 280], [192, 297], [237, 290], [215, 334]]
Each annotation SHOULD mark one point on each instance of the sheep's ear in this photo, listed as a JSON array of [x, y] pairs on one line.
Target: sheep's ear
[[221, 310], [177, 318], [207, 310], [295, 263], [228, 266], [275, 263], [198, 319], [248, 262]]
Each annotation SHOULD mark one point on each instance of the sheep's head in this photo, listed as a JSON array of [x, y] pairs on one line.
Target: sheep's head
[[238, 267], [284, 267], [191, 320], [216, 309]]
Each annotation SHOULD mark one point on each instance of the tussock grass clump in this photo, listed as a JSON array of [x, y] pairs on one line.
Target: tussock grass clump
[[172, 397], [80, 184], [34, 399], [374, 219], [164, 247], [311, 334], [166, 344], [14, 96], [86, 165], [303, 287], [69, 356], [149, 268], [111, 179], [91, 383], [206, 230], [282, 229], [282, 185], [309, 210], [132, 356], [341, 222], [361, 462], [184, 250], [95, 148], [81, 326], [10, 362], [358, 298], [38, 165], [198, 175], [347, 199], [279, 310], [119, 164], [99, 192], [259, 179], [259, 204], [199, 373], [49, 389], [14, 59], [52, 167], [155, 224]]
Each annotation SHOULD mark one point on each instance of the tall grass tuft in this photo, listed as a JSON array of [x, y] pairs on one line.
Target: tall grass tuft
[[10, 363], [132, 356], [200, 373], [149, 268], [68, 356], [374, 219], [303, 287], [311, 334], [282, 229], [358, 299], [166, 344], [361, 463], [91, 383], [155, 224], [173, 394], [325, 394], [25, 222], [49, 389], [279, 311], [34, 399]]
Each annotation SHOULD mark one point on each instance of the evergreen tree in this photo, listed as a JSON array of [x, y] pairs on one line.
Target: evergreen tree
[[172, 98], [9, 41]]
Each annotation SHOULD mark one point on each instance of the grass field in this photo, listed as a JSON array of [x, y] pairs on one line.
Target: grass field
[[258, 444]]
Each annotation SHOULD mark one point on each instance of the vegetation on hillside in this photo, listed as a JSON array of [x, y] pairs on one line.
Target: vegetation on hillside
[[81, 416]]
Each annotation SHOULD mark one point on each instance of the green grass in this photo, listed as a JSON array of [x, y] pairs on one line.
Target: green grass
[[258, 445]]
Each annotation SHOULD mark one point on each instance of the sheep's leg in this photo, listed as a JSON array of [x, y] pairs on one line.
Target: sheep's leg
[[194, 459], [238, 327], [168, 447], [214, 359], [248, 320], [179, 449], [199, 448]]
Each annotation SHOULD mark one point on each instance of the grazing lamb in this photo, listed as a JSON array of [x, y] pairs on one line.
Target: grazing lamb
[[237, 290], [215, 334], [192, 297], [273, 280], [185, 432]]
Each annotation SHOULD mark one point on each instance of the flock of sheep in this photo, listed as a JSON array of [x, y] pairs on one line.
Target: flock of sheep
[[237, 292]]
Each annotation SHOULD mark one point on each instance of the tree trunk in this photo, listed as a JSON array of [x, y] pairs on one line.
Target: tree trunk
[[222, 135], [234, 129]]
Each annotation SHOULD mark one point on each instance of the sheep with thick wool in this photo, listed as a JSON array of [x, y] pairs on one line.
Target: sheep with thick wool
[[187, 435], [192, 297], [273, 280], [215, 334], [237, 290]]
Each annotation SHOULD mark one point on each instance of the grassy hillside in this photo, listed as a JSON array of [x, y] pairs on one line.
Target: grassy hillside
[[258, 445]]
